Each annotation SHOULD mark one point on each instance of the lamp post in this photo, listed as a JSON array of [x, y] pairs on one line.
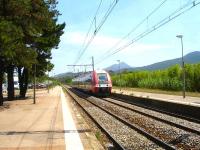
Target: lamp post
[[119, 75], [34, 86], [48, 77], [183, 67], [92, 63]]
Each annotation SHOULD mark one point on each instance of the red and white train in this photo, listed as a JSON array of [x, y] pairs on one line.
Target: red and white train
[[97, 82]]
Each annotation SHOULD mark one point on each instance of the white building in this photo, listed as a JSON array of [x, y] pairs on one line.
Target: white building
[[16, 80], [4, 87]]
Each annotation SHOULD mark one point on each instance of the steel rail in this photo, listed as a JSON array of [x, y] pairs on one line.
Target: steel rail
[[115, 143], [134, 127], [156, 109], [157, 118]]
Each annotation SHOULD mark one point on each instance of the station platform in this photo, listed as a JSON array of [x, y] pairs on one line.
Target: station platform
[[51, 123], [188, 100]]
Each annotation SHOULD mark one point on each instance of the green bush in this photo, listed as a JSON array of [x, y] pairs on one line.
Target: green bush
[[167, 79]]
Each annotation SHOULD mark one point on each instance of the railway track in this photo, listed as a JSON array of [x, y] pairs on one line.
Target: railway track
[[143, 139], [127, 100], [146, 113], [155, 128], [116, 144]]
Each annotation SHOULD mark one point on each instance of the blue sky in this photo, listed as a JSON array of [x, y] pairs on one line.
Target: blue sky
[[159, 45]]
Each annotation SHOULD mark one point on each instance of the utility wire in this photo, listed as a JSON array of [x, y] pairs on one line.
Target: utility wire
[[93, 20], [110, 9], [134, 29], [174, 15]]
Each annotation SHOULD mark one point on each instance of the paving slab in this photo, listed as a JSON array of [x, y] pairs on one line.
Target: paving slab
[[33, 126], [28, 126], [188, 100]]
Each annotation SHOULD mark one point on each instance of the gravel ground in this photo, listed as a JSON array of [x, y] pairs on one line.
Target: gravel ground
[[125, 135], [129, 138], [100, 136], [183, 122], [172, 135]]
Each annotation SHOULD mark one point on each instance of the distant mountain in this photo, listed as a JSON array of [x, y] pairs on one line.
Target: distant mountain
[[67, 75], [191, 58], [63, 75], [115, 67]]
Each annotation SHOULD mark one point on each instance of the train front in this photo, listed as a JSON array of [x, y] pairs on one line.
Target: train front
[[103, 83]]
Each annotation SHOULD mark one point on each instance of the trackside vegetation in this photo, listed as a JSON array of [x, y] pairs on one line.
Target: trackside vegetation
[[167, 79]]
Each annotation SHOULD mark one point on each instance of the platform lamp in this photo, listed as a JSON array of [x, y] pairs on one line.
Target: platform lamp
[[183, 67], [34, 85], [119, 75], [48, 75]]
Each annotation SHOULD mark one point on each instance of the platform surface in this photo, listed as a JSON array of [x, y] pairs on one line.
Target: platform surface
[[48, 124], [188, 100]]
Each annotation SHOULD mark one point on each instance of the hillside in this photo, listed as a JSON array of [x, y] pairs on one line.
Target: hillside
[[191, 58], [115, 67]]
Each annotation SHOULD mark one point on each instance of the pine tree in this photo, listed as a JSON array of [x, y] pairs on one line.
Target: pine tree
[[28, 32]]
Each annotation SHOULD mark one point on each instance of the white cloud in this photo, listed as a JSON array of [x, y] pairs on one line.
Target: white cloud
[[141, 47], [101, 42], [77, 38], [73, 38]]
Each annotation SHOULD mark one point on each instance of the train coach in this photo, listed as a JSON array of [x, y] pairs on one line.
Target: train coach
[[97, 82]]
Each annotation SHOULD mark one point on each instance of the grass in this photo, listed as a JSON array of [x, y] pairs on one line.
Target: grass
[[158, 91], [98, 135]]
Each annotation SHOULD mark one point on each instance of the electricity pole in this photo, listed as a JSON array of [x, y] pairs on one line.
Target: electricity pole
[[183, 66], [84, 65], [119, 75], [48, 77], [34, 98], [92, 63]]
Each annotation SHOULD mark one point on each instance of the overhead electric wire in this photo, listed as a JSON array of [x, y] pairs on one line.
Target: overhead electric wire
[[110, 9], [171, 17], [93, 20], [134, 29]]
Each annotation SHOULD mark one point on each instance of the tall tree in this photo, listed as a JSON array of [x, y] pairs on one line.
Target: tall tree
[[48, 35], [28, 32], [11, 39]]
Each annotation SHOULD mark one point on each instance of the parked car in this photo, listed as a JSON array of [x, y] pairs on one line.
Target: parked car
[[37, 86], [30, 86], [41, 85]]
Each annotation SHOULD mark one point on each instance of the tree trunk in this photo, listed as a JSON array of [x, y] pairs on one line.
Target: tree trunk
[[20, 80], [11, 91], [1, 83], [24, 80]]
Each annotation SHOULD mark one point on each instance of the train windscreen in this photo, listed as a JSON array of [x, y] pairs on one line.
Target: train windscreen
[[102, 77]]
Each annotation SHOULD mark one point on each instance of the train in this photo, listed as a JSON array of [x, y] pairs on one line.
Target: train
[[97, 82]]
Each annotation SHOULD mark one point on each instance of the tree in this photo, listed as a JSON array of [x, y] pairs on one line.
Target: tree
[[46, 38], [10, 39], [28, 32]]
